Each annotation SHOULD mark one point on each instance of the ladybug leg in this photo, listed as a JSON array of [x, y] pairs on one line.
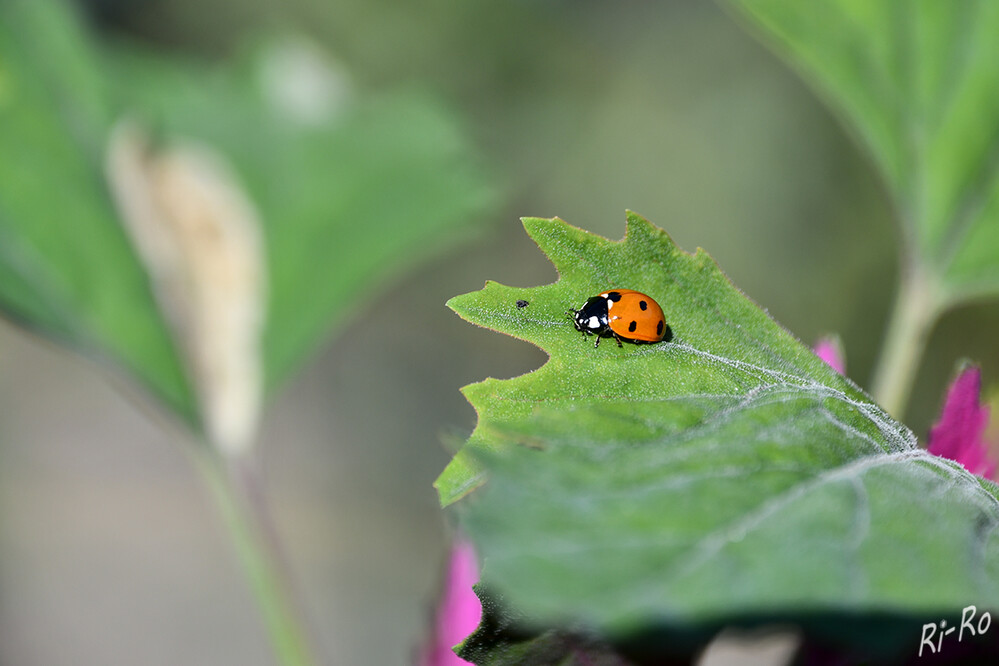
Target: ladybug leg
[[619, 342], [597, 343]]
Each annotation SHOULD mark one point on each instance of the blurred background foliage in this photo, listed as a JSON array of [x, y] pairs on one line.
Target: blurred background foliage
[[578, 109]]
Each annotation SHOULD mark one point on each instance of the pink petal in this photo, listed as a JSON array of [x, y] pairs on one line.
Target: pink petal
[[830, 350], [959, 434], [459, 612]]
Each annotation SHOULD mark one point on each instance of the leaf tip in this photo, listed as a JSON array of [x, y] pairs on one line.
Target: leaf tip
[[539, 226], [634, 218], [703, 259], [638, 228], [455, 303], [461, 476]]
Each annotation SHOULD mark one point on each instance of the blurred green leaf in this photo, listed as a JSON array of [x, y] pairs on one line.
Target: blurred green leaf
[[352, 190], [727, 474], [917, 81], [66, 268]]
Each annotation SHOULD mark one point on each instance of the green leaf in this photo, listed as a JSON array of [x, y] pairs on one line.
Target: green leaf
[[66, 267], [729, 473], [350, 197], [916, 81]]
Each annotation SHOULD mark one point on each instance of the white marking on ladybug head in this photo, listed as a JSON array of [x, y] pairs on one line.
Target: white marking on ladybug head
[[594, 323]]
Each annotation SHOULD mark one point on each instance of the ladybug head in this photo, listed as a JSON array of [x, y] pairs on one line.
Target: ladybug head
[[592, 317]]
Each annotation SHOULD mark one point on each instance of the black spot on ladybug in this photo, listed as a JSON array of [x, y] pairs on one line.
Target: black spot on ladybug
[[644, 305], [632, 326], [614, 296], [659, 327], [522, 303]]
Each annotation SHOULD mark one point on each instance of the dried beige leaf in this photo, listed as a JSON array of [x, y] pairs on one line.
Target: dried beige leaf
[[200, 239]]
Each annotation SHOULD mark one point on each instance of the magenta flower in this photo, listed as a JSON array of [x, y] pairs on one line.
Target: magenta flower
[[959, 434], [830, 350], [459, 612]]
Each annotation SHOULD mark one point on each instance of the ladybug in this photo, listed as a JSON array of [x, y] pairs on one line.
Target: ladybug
[[623, 314]]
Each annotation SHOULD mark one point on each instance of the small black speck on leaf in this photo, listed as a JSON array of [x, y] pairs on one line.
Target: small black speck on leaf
[[522, 304]]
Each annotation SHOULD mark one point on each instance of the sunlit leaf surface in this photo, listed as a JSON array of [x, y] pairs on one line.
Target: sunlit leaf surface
[[728, 473]]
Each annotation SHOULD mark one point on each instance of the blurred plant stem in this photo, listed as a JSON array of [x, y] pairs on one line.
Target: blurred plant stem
[[237, 490], [917, 307]]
